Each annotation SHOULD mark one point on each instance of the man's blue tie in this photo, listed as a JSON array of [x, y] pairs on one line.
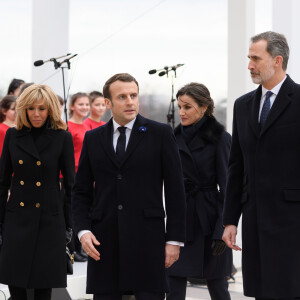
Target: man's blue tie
[[120, 148], [265, 109]]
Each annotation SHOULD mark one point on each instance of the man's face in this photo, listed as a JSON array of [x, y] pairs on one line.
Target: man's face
[[261, 64], [124, 102]]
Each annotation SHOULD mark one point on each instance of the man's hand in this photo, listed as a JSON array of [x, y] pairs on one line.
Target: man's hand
[[229, 237], [88, 240], [172, 254]]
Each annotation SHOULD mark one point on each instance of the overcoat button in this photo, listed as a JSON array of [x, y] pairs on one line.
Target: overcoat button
[[119, 176], [38, 163], [21, 162], [22, 182], [120, 207], [38, 184], [21, 203], [37, 205]]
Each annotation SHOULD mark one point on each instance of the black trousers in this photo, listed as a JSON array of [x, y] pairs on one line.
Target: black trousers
[[218, 288], [17, 293], [138, 296]]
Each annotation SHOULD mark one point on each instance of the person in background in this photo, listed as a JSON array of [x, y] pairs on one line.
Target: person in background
[[79, 108], [25, 86], [204, 150], [33, 220], [98, 109], [7, 116], [15, 87]]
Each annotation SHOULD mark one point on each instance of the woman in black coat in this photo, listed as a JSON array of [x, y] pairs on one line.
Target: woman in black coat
[[204, 149], [34, 219]]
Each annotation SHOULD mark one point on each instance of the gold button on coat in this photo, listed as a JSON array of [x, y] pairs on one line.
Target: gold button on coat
[[38, 163], [21, 162], [37, 205], [21, 203], [22, 182], [38, 184]]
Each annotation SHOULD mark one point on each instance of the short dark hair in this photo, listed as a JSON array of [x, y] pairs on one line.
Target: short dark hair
[[5, 105], [276, 45], [15, 83], [200, 93], [95, 94], [125, 77]]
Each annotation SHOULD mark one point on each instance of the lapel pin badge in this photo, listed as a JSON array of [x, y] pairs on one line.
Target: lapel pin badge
[[142, 129]]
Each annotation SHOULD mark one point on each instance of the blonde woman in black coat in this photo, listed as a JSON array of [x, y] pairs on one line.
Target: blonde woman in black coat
[[34, 219], [204, 149]]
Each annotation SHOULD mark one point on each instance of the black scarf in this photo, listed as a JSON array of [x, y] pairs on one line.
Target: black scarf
[[188, 132]]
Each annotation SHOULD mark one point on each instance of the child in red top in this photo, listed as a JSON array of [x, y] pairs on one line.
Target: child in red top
[[98, 109], [7, 116], [79, 108]]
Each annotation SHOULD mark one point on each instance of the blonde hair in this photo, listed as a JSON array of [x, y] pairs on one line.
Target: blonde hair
[[33, 94]]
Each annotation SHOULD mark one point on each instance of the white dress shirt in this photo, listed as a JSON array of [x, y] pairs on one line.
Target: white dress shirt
[[116, 135], [274, 90]]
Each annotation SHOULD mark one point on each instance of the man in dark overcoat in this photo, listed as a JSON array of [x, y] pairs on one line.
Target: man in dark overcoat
[[128, 161], [264, 174]]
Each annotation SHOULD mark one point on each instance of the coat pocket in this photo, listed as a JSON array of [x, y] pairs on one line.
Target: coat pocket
[[154, 212], [291, 195]]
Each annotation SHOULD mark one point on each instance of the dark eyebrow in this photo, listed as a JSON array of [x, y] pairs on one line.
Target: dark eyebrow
[[253, 56]]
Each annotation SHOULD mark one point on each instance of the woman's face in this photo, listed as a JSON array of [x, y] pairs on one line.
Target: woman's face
[[81, 107], [98, 107], [38, 113], [10, 114], [189, 111]]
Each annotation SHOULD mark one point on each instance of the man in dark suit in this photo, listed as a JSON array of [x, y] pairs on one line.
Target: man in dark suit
[[264, 174], [128, 161]]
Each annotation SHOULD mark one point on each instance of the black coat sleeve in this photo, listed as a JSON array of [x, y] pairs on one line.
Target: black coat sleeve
[[67, 164], [222, 157], [82, 193], [174, 189], [6, 170], [232, 208]]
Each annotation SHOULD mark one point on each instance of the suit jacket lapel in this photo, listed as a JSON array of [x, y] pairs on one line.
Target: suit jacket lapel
[[137, 134], [106, 141], [254, 104], [26, 143], [280, 104]]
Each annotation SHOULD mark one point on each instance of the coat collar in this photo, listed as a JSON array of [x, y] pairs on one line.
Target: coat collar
[[106, 139], [282, 100], [34, 148]]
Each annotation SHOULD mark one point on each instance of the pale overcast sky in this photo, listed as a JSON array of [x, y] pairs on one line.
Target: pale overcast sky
[[193, 32]]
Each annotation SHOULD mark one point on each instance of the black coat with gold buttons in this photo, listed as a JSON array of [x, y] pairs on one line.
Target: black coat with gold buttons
[[34, 219]]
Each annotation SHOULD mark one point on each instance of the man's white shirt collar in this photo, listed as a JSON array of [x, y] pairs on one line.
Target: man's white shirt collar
[[275, 89], [128, 125]]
